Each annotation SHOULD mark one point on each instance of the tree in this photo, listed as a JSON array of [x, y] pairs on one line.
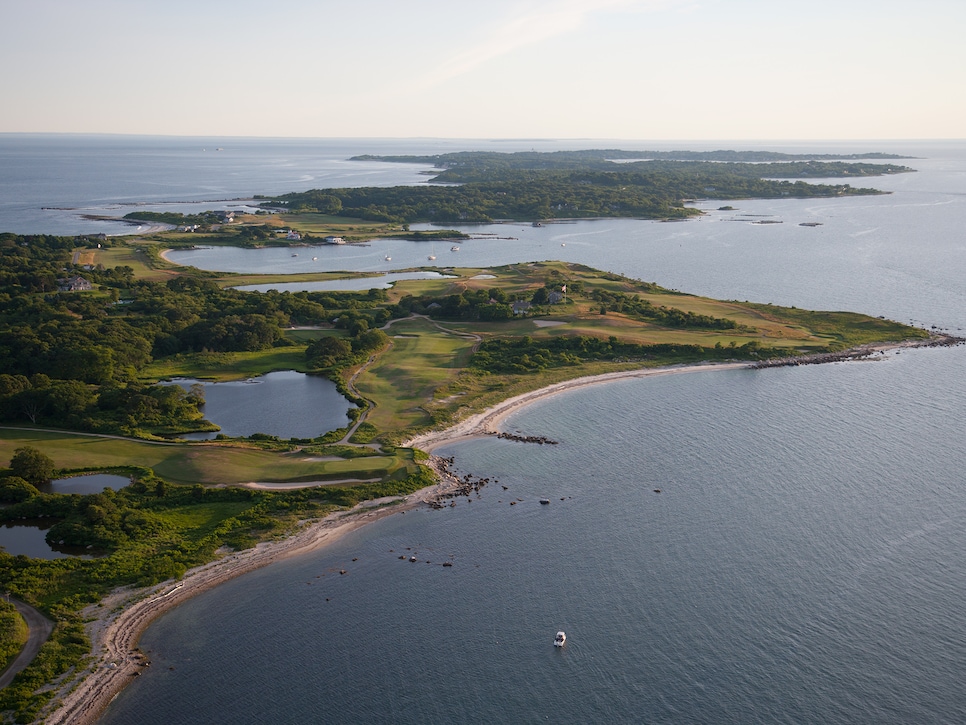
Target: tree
[[328, 351], [32, 465], [14, 490]]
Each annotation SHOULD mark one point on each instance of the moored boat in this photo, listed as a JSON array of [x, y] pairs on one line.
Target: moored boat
[[560, 639]]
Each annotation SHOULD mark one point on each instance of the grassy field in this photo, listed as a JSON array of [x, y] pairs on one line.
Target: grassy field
[[229, 365], [403, 383], [201, 463], [130, 255]]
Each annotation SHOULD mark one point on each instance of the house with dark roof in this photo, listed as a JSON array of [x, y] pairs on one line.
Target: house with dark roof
[[75, 283]]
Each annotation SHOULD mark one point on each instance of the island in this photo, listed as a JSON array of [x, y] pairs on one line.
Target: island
[[90, 327]]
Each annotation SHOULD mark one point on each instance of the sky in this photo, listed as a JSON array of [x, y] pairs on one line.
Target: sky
[[601, 69]]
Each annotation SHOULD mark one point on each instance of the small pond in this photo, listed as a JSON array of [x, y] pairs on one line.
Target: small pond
[[286, 404], [27, 537], [90, 483]]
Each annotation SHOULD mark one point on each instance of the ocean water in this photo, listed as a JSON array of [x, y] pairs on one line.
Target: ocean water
[[801, 563]]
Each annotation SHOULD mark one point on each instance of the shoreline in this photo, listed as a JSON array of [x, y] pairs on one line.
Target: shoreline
[[485, 422], [118, 621]]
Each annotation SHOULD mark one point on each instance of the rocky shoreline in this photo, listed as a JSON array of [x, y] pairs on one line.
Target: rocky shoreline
[[864, 352]]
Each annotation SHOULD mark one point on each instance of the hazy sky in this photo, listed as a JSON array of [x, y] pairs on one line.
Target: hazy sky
[[623, 69]]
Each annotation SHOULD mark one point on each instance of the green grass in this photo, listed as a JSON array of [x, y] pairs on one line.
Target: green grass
[[227, 365], [201, 463], [199, 520], [13, 633], [842, 329], [423, 361], [130, 255]]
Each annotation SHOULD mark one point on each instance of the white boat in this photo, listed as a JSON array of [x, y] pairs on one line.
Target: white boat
[[388, 258], [560, 639], [454, 249], [431, 257]]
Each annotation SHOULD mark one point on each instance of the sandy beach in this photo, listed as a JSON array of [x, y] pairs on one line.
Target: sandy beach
[[117, 623], [487, 422]]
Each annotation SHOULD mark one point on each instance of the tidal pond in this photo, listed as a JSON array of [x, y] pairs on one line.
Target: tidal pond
[[90, 483], [26, 537], [286, 404]]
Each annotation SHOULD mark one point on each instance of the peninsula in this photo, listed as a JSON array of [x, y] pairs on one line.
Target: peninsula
[[90, 327]]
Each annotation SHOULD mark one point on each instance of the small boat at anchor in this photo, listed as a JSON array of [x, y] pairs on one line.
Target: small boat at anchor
[[454, 248], [560, 640]]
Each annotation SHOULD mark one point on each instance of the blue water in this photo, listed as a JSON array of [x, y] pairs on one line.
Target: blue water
[[89, 483], [284, 403], [802, 563]]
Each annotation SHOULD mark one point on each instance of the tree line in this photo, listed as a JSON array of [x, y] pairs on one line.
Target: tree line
[[526, 355]]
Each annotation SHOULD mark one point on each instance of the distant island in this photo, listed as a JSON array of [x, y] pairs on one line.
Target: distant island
[[477, 186]]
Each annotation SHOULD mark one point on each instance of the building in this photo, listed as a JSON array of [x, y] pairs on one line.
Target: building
[[75, 283]]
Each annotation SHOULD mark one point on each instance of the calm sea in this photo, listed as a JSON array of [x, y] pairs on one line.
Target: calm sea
[[803, 561]]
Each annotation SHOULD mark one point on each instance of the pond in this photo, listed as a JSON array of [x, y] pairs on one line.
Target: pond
[[27, 537], [286, 404], [90, 483]]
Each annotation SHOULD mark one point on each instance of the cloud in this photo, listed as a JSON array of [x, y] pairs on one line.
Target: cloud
[[529, 25]]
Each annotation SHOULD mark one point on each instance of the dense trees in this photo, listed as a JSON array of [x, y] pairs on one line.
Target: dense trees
[[526, 355], [665, 316], [73, 359]]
